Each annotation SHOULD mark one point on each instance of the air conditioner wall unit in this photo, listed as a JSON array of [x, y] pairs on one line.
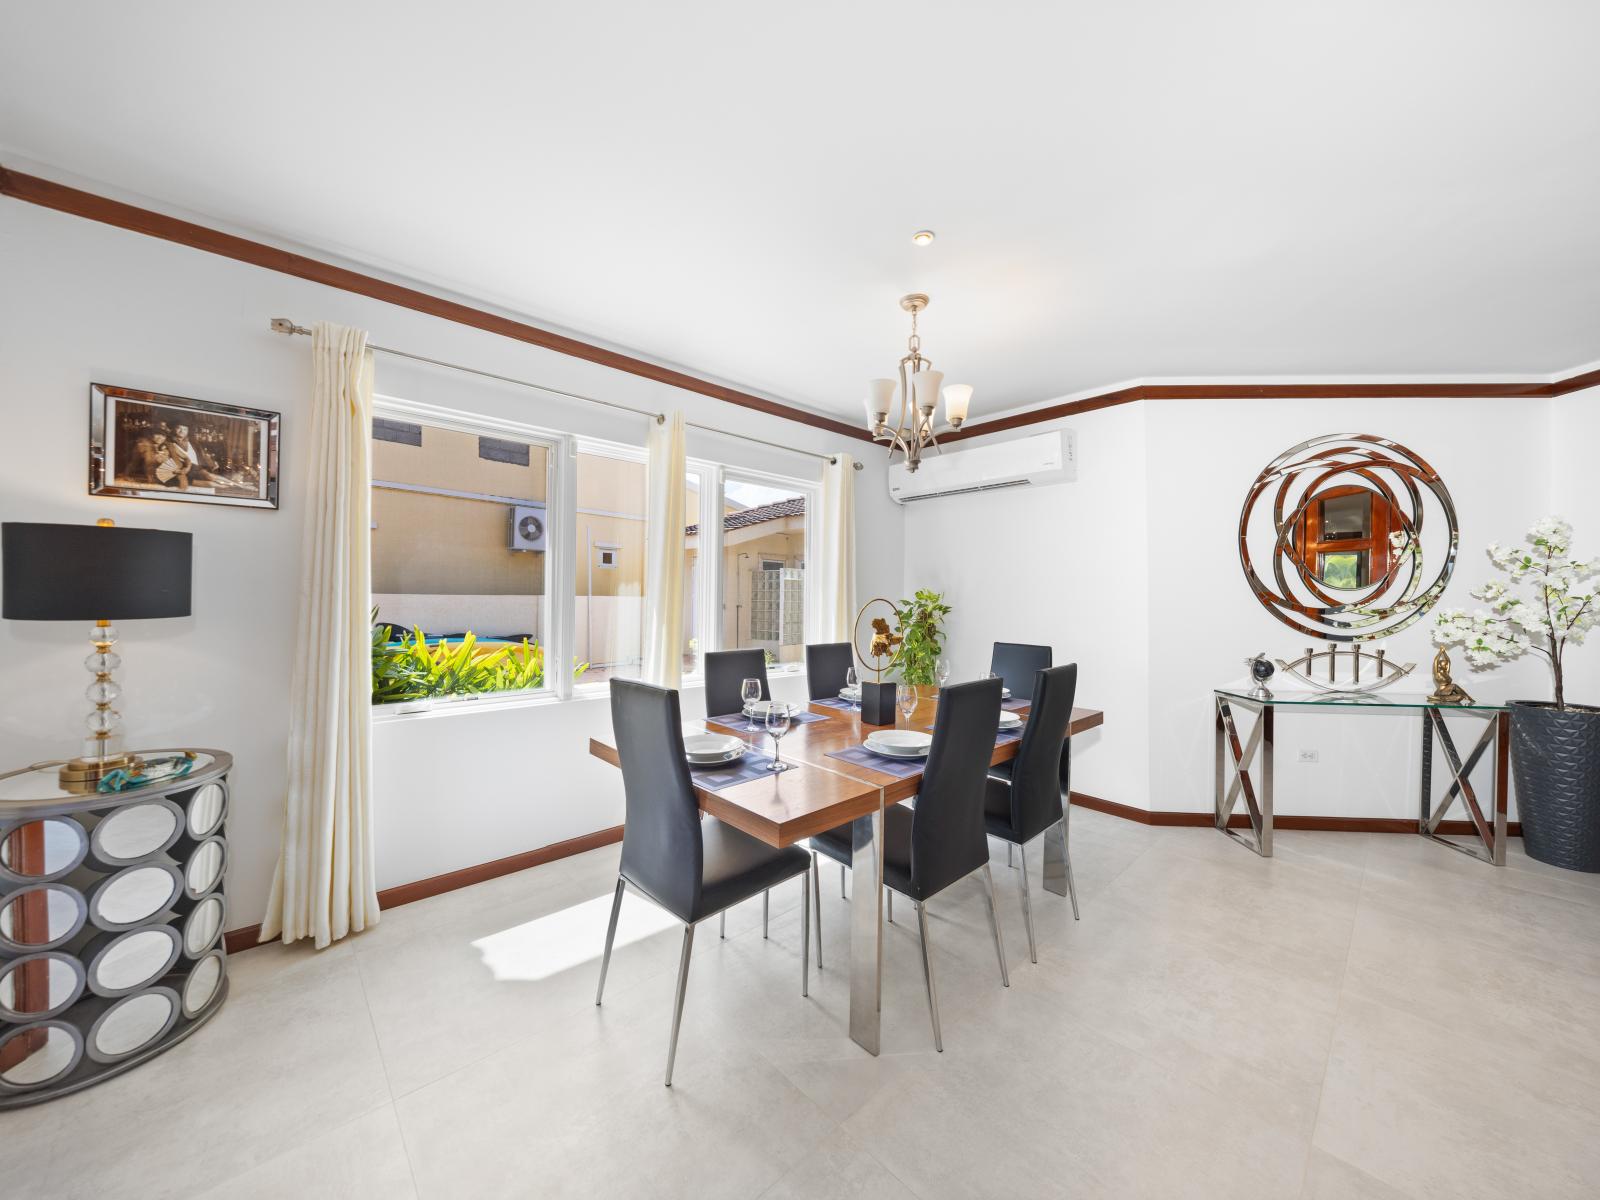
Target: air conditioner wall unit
[[1034, 461], [528, 528]]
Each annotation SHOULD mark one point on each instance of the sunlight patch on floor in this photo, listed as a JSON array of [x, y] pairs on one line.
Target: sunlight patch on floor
[[568, 938]]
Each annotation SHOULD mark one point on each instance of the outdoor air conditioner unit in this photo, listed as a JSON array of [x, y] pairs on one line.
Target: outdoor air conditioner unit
[[1042, 458], [527, 527]]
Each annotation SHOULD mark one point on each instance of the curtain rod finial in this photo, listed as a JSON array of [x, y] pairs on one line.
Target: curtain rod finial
[[285, 325], [661, 418]]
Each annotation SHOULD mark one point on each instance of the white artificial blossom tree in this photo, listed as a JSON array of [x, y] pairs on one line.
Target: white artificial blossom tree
[[1549, 604]]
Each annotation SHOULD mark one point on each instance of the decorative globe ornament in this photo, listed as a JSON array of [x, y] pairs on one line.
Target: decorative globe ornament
[[1261, 670]]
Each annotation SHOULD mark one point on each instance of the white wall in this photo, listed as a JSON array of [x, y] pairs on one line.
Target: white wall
[[1133, 572], [1574, 444], [82, 302]]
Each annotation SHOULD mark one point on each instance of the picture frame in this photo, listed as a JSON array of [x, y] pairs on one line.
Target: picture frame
[[154, 446]]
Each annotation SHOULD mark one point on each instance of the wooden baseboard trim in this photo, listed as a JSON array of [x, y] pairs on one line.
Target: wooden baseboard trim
[[405, 893], [1202, 820]]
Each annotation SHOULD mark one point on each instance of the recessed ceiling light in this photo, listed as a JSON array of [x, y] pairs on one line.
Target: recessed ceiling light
[[922, 237]]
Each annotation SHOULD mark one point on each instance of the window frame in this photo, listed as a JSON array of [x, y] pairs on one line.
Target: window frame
[[557, 513], [811, 491]]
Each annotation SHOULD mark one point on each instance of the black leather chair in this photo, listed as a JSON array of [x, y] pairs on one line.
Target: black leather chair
[[1029, 794], [694, 868], [725, 671], [941, 840], [826, 665], [1017, 663]]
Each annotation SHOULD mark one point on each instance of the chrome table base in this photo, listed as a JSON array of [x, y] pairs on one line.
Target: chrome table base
[[1491, 846], [866, 930], [1240, 760]]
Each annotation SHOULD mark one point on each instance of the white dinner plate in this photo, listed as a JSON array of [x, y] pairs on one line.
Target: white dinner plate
[[758, 708], [1005, 693], [899, 743], [704, 748], [851, 694], [1010, 720]]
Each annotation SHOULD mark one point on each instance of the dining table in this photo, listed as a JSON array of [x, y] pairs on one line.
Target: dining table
[[821, 791]]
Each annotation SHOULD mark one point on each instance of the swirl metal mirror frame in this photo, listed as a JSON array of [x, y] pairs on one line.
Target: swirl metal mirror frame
[[1396, 596]]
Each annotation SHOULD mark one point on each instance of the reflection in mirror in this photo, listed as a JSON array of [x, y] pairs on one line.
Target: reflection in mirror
[[135, 894], [205, 809], [29, 1057], [131, 1023], [202, 984], [31, 987], [42, 848], [135, 832], [133, 959], [205, 868], [1343, 536], [204, 923], [41, 916]]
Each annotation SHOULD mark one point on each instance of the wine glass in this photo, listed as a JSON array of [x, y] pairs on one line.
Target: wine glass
[[750, 692], [941, 672], [777, 726], [905, 695], [852, 683]]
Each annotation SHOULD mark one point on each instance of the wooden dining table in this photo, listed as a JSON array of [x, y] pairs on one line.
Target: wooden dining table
[[819, 792]]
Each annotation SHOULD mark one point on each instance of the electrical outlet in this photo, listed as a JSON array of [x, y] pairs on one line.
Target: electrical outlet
[[1310, 756]]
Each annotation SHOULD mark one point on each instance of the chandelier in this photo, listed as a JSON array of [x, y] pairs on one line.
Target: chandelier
[[913, 430]]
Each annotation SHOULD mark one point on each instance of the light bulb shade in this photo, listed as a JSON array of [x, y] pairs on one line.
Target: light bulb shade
[[92, 572], [925, 384], [957, 400], [880, 394]]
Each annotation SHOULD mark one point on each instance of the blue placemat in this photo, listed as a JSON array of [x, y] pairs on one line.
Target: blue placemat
[[834, 702], [797, 716], [900, 768], [1006, 736], [1013, 704], [722, 776]]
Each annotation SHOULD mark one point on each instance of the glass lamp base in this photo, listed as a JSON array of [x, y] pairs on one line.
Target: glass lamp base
[[83, 775]]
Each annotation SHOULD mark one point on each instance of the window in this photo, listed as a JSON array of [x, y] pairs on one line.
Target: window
[[764, 534], [606, 557], [460, 542]]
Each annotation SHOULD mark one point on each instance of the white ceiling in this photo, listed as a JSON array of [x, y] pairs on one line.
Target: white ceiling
[[1120, 190]]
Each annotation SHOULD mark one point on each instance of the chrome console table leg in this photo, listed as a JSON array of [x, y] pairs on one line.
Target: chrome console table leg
[[1491, 837], [866, 930], [1239, 758]]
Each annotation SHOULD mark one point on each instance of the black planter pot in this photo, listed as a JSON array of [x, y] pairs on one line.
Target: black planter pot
[[877, 703], [1555, 758]]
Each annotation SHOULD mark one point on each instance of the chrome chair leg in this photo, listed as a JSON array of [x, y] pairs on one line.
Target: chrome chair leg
[[927, 976], [816, 890], [888, 898], [722, 923], [805, 934], [1008, 854], [842, 896], [677, 1004], [994, 924], [1027, 905], [1072, 888], [611, 935], [765, 898]]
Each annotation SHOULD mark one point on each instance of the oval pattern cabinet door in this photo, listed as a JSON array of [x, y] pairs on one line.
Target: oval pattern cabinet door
[[112, 911]]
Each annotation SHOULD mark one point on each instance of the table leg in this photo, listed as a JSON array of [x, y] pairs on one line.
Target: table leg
[[866, 930], [1242, 754], [1264, 835]]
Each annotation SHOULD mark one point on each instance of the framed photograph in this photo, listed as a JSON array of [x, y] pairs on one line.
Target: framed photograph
[[157, 447]]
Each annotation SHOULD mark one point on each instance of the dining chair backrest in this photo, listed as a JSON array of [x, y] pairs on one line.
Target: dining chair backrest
[[1017, 663], [725, 671], [662, 852], [1039, 780], [826, 665], [947, 837]]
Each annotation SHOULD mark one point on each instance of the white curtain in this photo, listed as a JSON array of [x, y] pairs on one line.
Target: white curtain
[[836, 545], [324, 887], [665, 497]]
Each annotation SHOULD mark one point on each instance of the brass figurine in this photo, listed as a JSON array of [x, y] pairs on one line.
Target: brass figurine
[[1445, 689]]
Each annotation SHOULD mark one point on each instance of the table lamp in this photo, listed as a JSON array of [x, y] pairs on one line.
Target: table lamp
[[98, 573]]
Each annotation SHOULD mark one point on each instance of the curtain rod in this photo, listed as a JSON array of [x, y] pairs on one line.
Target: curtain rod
[[286, 326]]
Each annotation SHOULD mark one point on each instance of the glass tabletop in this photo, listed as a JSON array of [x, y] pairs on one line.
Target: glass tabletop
[[1283, 697]]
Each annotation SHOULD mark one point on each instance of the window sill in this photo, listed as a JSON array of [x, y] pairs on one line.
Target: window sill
[[384, 714]]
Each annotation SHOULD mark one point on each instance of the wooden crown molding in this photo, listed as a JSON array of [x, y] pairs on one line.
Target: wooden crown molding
[[47, 194]]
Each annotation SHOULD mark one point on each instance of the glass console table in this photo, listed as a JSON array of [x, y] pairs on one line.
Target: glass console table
[[1235, 757]]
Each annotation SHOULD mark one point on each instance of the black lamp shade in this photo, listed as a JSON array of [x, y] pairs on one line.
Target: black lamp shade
[[93, 572]]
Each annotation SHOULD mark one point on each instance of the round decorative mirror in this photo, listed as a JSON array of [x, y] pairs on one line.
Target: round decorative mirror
[[202, 927], [129, 961], [136, 832], [202, 984], [42, 849], [36, 1054], [204, 868], [132, 1023], [206, 809], [41, 917], [134, 894], [1348, 537], [38, 985]]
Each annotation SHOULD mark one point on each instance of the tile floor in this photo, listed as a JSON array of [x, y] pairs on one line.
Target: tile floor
[[1361, 1016]]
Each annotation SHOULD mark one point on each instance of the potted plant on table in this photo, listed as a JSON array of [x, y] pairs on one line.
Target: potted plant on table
[[921, 622], [1549, 605]]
